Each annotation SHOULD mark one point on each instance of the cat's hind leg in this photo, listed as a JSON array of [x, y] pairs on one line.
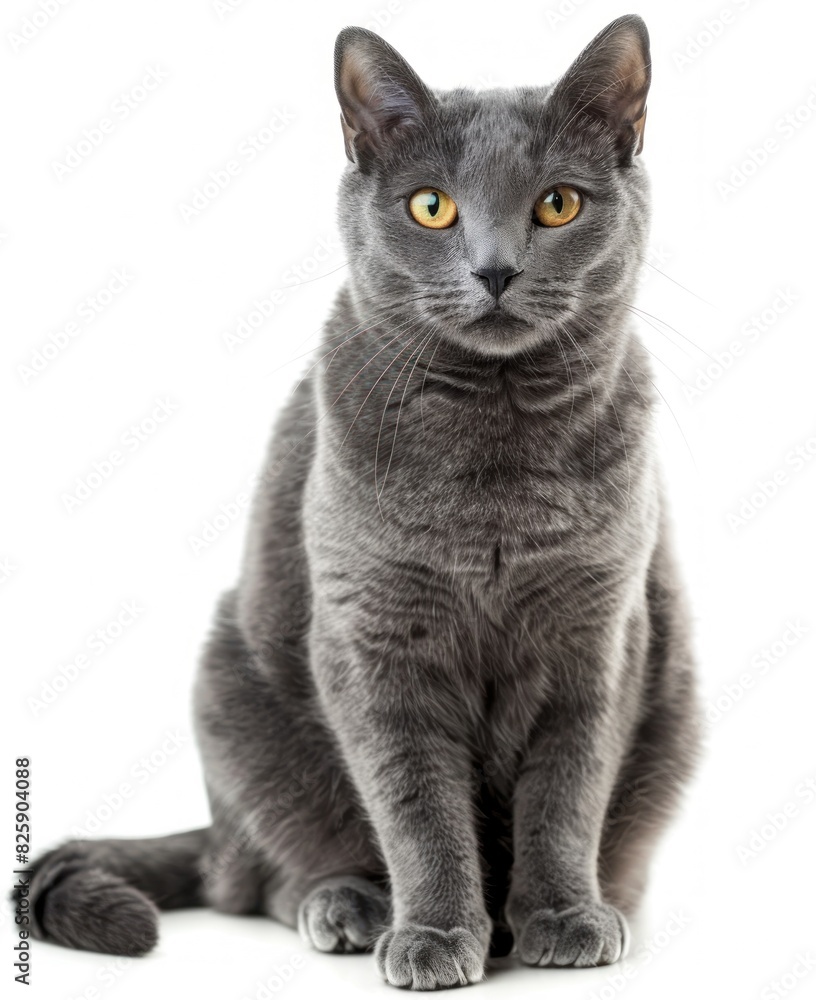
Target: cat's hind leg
[[289, 837], [339, 913], [665, 748], [645, 799]]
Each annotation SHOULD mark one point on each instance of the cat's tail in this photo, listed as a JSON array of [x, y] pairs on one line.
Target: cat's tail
[[105, 895]]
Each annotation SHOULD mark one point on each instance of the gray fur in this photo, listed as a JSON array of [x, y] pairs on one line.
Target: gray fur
[[451, 698]]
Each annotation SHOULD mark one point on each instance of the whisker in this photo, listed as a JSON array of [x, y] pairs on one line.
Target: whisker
[[422, 387], [378, 318], [654, 386], [335, 349], [335, 314], [611, 401], [331, 406], [679, 333], [651, 353], [617, 358], [679, 284], [373, 387], [570, 379], [382, 421], [422, 347], [317, 277], [592, 393]]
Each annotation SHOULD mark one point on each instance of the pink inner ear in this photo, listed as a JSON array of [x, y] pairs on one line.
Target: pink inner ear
[[375, 104], [374, 98], [352, 81], [612, 75], [633, 82]]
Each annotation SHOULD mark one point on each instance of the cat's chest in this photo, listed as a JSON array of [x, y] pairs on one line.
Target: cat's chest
[[487, 495], [482, 469], [482, 491]]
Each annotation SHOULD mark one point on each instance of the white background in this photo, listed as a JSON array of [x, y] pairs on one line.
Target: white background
[[724, 255]]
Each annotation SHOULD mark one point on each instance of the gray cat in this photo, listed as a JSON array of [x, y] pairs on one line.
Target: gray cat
[[450, 703]]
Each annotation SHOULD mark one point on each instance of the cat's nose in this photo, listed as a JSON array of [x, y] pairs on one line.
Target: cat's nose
[[497, 278]]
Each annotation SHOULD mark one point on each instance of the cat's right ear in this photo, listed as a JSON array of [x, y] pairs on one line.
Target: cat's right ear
[[609, 81], [378, 91]]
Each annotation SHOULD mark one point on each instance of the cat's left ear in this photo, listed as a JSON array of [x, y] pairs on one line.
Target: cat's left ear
[[610, 81], [378, 91]]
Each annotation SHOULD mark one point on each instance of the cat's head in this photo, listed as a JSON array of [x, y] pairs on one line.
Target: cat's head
[[493, 217]]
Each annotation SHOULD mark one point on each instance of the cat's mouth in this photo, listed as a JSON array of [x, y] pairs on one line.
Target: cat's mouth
[[496, 319], [499, 332]]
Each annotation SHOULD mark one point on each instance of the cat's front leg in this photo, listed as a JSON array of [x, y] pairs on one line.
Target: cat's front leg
[[554, 906], [397, 723]]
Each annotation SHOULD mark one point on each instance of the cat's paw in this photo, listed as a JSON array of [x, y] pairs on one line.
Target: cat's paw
[[343, 915], [584, 935], [424, 958]]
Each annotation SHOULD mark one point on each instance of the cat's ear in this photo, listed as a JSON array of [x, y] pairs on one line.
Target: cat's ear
[[378, 92], [609, 81]]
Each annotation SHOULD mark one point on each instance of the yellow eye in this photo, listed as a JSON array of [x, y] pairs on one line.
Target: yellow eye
[[433, 208], [558, 206]]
